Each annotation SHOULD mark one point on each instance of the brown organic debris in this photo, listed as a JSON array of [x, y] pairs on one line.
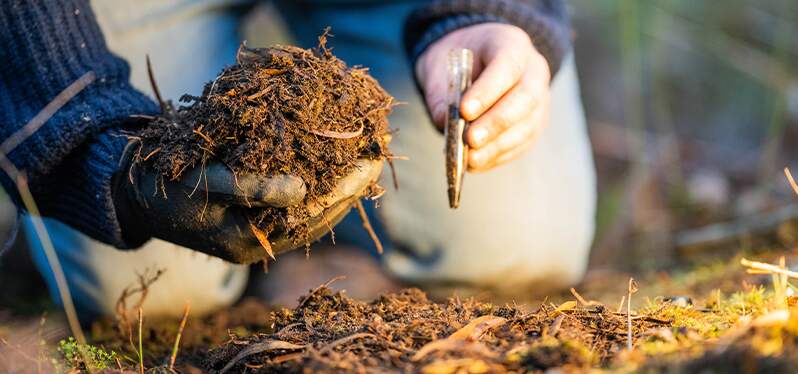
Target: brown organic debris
[[278, 110], [406, 332]]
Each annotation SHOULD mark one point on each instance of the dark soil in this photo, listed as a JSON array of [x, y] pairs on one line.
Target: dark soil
[[406, 332], [278, 110]]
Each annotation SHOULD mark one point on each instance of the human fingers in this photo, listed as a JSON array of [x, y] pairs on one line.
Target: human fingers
[[515, 106], [518, 137], [504, 66]]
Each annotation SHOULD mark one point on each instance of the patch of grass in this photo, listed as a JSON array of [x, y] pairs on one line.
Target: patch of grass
[[79, 356]]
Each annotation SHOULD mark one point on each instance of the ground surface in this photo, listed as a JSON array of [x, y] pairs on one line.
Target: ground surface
[[705, 316]]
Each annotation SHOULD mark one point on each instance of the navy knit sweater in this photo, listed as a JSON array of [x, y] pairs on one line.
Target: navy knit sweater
[[45, 45]]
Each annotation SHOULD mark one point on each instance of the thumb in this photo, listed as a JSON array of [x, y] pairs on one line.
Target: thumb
[[219, 183]]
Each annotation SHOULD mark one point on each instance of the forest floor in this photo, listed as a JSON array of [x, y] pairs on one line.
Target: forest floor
[[712, 315]]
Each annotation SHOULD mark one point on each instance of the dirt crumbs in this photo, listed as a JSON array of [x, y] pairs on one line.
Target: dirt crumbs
[[278, 110], [406, 332]]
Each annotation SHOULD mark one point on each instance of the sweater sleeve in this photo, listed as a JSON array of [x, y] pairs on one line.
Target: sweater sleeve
[[70, 161], [546, 22]]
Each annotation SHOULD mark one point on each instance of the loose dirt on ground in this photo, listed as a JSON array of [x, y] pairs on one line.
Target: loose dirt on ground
[[752, 330]]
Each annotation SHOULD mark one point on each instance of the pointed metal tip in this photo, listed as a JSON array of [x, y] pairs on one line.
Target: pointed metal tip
[[454, 198]]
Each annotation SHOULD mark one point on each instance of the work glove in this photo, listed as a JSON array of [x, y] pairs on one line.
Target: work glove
[[206, 209]]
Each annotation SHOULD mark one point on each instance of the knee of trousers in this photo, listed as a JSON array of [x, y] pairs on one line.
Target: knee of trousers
[[97, 274]]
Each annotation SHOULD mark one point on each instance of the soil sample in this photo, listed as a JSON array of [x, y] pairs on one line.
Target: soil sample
[[278, 110]]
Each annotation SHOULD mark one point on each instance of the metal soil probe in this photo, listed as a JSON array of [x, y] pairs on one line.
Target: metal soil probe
[[460, 65]]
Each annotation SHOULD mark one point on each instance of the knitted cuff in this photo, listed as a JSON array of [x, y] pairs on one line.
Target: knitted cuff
[[546, 22], [80, 191]]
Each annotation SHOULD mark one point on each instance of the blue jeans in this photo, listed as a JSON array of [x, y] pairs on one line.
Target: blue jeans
[[528, 223]]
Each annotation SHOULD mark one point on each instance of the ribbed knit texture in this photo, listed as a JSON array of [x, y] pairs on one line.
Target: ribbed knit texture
[[546, 22], [45, 45]]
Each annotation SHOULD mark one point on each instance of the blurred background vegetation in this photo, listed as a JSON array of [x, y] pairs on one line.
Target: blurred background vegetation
[[692, 107]]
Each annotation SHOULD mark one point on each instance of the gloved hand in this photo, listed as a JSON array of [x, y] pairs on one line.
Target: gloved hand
[[206, 208]]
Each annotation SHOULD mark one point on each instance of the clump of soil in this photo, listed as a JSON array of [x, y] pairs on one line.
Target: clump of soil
[[278, 110], [406, 332]]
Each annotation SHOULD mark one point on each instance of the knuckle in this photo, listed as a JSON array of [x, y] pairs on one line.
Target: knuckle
[[509, 142], [516, 65], [500, 122]]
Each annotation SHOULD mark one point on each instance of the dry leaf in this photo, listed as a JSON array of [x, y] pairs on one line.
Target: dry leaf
[[470, 332], [263, 240], [568, 305]]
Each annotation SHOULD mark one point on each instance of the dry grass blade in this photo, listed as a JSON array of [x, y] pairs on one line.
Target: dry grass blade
[[581, 299], [180, 329], [263, 240], [470, 332], [154, 86], [756, 267], [791, 180], [141, 345], [264, 346], [48, 111], [631, 290], [10, 169], [367, 225]]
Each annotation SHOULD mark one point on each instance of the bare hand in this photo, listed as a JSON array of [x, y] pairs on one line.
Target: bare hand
[[508, 102]]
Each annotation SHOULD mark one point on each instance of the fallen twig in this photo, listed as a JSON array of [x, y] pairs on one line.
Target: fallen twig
[[631, 290], [155, 90], [264, 346]]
